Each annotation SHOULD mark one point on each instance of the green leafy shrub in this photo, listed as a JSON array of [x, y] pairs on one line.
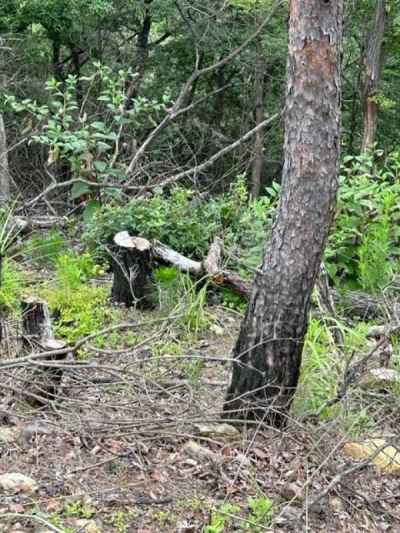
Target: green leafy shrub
[[378, 247], [245, 238], [221, 518], [186, 222], [366, 236], [177, 220], [233, 300], [73, 269], [81, 135], [261, 511]]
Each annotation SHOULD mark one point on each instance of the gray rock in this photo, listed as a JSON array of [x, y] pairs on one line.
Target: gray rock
[[14, 482]]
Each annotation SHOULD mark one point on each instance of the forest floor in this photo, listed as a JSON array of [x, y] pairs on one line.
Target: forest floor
[[135, 442]]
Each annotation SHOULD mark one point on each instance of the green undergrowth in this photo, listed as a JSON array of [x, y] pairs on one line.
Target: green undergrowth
[[79, 306], [255, 518], [322, 371], [364, 247], [12, 286], [44, 250], [184, 298], [323, 365]]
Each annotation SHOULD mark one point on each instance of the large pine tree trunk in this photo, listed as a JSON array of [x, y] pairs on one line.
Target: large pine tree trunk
[[268, 350], [372, 76]]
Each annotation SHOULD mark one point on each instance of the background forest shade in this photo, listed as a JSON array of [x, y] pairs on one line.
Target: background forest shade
[[84, 83]]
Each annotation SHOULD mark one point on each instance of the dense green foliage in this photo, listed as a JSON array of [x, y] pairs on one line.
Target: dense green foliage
[[186, 222], [365, 244]]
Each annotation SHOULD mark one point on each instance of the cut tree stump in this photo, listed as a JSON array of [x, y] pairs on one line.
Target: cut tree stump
[[132, 265], [36, 322], [37, 332]]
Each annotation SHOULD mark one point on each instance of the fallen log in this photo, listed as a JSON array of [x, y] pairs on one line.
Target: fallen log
[[133, 261], [165, 254], [360, 304], [349, 304], [27, 224], [210, 268]]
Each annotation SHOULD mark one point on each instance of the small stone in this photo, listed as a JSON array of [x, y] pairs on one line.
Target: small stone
[[14, 482], [217, 430], [185, 527], [381, 378], [217, 330], [30, 431], [87, 526], [200, 453], [242, 459], [8, 435], [336, 504], [204, 344], [375, 332], [388, 460]]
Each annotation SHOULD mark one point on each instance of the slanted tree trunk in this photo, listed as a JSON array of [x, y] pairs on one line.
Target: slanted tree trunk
[[4, 174], [132, 269], [269, 348], [373, 69]]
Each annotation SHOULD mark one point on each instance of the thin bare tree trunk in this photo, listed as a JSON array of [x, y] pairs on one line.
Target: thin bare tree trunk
[[142, 54], [4, 173], [373, 70], [259, 86], [270, 344]]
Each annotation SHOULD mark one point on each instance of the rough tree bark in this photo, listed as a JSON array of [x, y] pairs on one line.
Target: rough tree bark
[[268, 351], [373, 69]]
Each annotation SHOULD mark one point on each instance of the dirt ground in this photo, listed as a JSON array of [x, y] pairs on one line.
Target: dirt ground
[[135, 443]]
